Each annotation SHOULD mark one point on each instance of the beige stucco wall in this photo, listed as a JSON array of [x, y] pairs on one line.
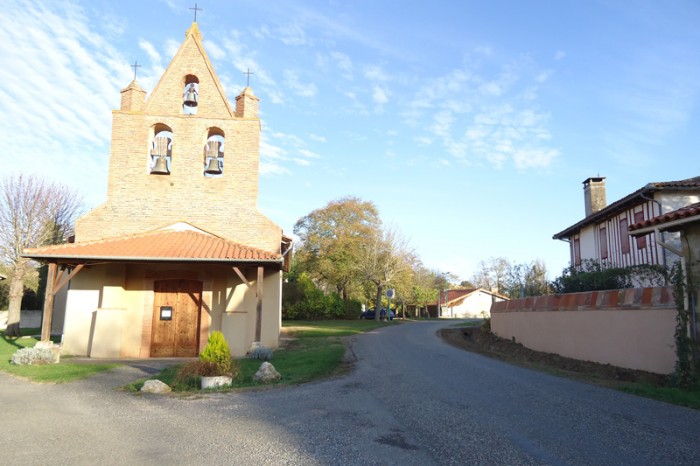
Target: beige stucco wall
[[474, 306], [622, 333], [109, 310]]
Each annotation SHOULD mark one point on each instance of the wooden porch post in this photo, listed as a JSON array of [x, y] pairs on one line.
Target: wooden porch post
[[48, 303], [258, 304]]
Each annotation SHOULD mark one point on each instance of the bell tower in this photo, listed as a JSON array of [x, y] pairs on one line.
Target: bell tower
[[184, 154]]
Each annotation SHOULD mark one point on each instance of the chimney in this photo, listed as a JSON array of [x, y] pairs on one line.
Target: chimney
[[594, 195]]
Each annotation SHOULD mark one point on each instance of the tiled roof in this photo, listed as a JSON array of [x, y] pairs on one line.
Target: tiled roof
[[162, 245], [691, 210], [633, 198]]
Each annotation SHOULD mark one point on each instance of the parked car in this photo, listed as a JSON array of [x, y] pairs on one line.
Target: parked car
[[369, 314]]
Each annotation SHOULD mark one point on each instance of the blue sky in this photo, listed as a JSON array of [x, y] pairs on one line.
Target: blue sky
[[470, 124]]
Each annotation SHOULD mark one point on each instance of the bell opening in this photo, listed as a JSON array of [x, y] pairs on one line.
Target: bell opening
[[160, 167], [213, 166]]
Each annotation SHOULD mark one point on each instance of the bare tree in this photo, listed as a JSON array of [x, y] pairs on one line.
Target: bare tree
[[385, 256], [33, 213]]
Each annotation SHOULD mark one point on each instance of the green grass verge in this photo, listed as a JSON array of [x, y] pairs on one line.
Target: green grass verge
[[677, 396], [47, 373], [315, 352]]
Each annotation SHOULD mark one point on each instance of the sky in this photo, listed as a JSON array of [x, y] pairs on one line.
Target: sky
[[471, 125]]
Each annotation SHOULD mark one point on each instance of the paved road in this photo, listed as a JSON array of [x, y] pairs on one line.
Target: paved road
[[412, 400]]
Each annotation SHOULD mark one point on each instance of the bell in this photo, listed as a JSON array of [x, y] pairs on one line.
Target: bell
[[160, 167], [213, 167], [190, 103]]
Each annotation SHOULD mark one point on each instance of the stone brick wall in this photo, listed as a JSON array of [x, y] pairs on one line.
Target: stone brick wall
[[226, 205]]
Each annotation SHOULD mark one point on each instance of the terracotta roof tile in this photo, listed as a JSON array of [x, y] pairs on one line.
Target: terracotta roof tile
[[684, 212], [162, 245]]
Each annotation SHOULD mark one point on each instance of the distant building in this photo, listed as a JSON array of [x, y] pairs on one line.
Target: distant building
[[603, 234], [466, 304]]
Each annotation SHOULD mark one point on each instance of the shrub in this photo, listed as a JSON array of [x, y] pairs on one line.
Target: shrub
[[261, 353], [217, 355], [591, 275], [486, 325], [33, 356]]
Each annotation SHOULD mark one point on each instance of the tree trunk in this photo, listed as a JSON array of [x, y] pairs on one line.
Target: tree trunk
[[378, 306], [15, 304]]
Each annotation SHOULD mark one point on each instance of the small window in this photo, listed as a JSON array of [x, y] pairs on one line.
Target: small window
[[161, 151], [577, 251], [641, 240], [624, 237], [214, 153], [190, 95], [603, 243]]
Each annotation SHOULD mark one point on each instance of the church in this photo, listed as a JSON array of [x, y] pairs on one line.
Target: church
[[179, 248]]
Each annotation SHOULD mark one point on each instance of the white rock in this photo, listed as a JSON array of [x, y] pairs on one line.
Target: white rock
[[155, 386], [267, 373]]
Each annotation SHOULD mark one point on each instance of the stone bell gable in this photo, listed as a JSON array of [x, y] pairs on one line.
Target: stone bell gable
[[184, 155]]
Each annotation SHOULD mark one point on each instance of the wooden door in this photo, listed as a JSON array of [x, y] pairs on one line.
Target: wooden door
[[176, 311]]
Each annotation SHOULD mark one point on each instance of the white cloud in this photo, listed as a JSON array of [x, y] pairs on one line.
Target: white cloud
[[380, 95], [303, 90], [375, 73], [343, 63], [214, 51], [57, 112], [150, 51], [293, 34], [317, 138]]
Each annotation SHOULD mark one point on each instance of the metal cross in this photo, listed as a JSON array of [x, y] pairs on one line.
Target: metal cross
[[134, 66], [195, 11], [248, 73]]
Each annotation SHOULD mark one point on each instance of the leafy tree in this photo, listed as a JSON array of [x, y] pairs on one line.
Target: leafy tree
[[33, 213], [512, 280], [332, 241], [385, 258]]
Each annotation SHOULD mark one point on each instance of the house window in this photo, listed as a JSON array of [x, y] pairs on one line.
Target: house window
[[161, 151], [577, 251], [624, 237], [190, 95], [214, 153], [603, 243], [641, 240]]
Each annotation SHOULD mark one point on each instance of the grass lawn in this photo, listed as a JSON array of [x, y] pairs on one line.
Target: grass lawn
[[678, 396], [314, 350], [47, 373]]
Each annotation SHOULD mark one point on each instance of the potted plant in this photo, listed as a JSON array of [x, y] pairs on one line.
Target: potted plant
[[215, 366]]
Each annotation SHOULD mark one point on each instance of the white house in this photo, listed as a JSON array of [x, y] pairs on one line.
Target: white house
[[469, 303], [603, 234]]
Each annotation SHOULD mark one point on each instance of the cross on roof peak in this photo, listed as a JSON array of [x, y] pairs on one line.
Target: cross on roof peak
[[195, 11]]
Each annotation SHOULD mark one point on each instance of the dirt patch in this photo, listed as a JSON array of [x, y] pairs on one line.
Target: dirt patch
[[486, 343]]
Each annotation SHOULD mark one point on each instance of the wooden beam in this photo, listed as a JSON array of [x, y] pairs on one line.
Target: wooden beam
[[48, 303], [65, 278], [258, 304], [241, 276]]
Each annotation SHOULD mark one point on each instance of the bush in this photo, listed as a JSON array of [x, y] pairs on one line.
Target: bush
[[216, 355], [591, 275], [303, 300], [261, 353], [33, 356]]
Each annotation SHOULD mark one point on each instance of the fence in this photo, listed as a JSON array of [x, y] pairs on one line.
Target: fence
[[631, 328]]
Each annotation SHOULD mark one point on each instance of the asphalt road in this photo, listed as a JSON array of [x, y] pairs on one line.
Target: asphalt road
[[411, 400]]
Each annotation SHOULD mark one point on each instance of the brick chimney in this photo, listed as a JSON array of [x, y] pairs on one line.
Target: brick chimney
[[594, 195]]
